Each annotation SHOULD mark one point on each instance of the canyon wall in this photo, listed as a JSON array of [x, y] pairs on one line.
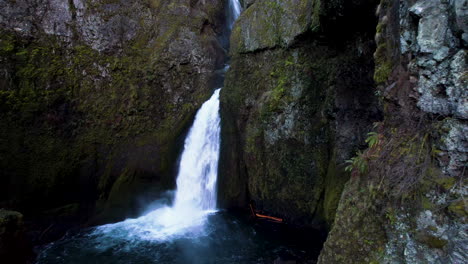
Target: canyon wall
[[408, 204], [350, 116], [345, 116], [298, 100], [96, 98]]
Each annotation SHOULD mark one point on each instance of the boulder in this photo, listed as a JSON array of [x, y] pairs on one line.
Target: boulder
[[14, 247]]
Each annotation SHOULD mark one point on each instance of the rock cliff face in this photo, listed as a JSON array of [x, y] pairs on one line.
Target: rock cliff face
[[95, 97], [296, 103], [412, 197], [301, 97]]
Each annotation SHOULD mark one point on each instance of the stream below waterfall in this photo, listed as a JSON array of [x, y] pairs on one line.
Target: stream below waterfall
[[190, 229], [224, 238]]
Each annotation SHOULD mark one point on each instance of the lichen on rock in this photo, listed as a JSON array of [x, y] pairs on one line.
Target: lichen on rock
[[418, 206], [292, 104]]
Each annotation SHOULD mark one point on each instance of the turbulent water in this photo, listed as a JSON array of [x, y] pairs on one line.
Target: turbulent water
[[196, 182], [195, 197], [190, 230], [224, 239]]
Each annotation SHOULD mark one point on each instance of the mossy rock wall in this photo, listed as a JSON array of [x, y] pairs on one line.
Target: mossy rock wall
[[94, 109], [408, 206], [293, 108]]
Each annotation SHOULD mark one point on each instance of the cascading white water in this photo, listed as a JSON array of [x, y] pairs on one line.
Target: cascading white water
[[198, 169], [183, 232], [195, 196], [234, 12]]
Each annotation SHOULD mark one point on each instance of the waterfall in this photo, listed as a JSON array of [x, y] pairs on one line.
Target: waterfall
[[198, 169], [188, 230], [195, 196], [234, 12]]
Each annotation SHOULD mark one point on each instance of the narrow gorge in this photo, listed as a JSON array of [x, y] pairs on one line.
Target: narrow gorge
[[226, 131]]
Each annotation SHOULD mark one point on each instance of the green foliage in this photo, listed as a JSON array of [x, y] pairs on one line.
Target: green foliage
[[68, 110], [276, 14], [391, 215], [372, 139], [7, 44], [383, 64], [380, 27], [282, 74], [358, 162], [382, 72]]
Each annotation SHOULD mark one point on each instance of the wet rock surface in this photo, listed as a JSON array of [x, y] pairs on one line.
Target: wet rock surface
[[14, 247], [420, 64], [96, 97], [292, 106]]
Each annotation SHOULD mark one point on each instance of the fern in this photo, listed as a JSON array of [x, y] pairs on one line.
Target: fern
[[372, 139], [358, 162]]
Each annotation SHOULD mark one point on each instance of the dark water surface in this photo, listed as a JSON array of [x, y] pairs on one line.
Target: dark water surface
[[224, 238]]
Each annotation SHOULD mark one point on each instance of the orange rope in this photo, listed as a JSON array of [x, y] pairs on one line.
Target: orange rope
[[269, 217], [254, 214]]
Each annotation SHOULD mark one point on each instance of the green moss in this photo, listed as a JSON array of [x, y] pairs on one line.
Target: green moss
[[380, 28], [382, 72], [446, 182], [458, 208], [69, 110], [315, 25], [7, 44], [427, 204], [154, 4], [278, 98], [278, 92], [354, 243], [335, 181], [430, 240], [253, 136], [383, 64]]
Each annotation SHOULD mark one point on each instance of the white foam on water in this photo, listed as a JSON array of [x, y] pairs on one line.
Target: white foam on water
[[195, 197]]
